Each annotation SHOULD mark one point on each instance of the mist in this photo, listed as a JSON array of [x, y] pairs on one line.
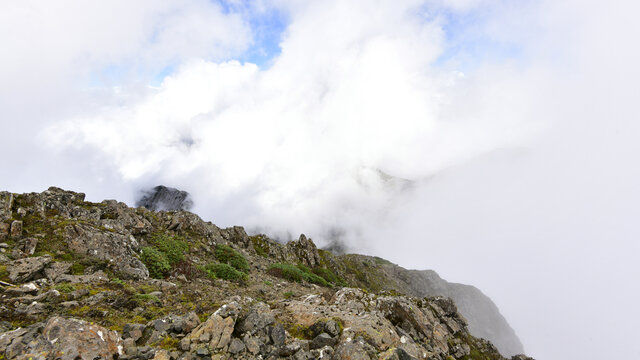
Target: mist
[[494, 142]]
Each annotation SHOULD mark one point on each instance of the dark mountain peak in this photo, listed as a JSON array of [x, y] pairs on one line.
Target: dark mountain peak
[[165, 198]]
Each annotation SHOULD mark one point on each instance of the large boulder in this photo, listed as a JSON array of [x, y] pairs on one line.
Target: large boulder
[[28, 268], [63, 339], [119, 249]]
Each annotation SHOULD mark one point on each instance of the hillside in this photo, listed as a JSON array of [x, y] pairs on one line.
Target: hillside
[[105, 280]]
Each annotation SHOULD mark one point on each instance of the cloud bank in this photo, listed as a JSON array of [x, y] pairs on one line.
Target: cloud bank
[[491, 141]]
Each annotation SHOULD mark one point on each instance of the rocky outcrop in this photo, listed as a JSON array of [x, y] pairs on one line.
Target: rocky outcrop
[[82, 260], [60, 338], [165, 198]]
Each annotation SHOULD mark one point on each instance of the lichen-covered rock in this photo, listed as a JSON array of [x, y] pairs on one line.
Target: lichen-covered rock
[[60, 338], [118, 249], [28, 268]]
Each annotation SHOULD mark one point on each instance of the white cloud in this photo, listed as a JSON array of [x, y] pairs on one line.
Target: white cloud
[[523, 168]]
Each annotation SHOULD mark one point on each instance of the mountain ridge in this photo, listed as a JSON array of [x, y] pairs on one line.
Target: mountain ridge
[[98, 258]]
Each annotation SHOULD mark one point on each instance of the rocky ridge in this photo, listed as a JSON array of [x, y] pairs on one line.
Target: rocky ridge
[[76, 284]]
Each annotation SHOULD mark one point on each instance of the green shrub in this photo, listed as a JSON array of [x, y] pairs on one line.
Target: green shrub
[[172, 247], [156, 262], [295, 273], [226, 255], [330, 276], [225, 272]]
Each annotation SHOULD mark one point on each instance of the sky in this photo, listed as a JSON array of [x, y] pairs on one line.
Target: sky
[[495, 142]]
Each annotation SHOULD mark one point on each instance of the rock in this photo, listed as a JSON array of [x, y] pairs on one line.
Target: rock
[[290, 348], [253, 345], [4, 230], [69, 339], [350, 351], [16, 229], [133, 331], [161, 325], [69, 304], [27, 269], [161, 355], [28, 245], [302, 355], [258, 318], [304, 250], [97, 277], [236, 346], [56, 269], [6, 203], [129, 346], [165, 198], [332, 328], [216, 331], [278, 335], [21, 290], [117, 248], [322, 340]]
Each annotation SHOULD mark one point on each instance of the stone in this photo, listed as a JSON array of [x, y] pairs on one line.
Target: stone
[[16, 229], [56, 269], [216, 331], [322, 340], [161, 325], [97, 277], [6, 203], [350, 351], [27, 269], [119, 249], [21, 290], [28, 245], [258, 318], [236, 346], [332, 328], [133, 331], [253, 345], [161, 354], [278, 335], [129, 346], [69, 339]]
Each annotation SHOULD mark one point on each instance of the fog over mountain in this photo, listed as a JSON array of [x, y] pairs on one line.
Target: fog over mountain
[[495, 142]]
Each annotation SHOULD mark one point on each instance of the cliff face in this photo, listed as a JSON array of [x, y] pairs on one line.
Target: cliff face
[[87, 280]]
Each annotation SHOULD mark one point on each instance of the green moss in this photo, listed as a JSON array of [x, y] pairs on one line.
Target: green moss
[[288, 294], [227, 255], [4, 274], [299, 331], [65, 288], [77, 269], [147, 297], [225, 272], [168, 343]]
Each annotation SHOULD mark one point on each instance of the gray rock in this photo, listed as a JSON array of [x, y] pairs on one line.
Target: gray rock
[[322, 340], [133, 331], [28, 269], [236, 346], [253, 345], [69, 339], [56, 269], [97, 277], [350, 351], [4, 230], [28, 245], [161, 325], [278, 335], [258, 318], [16, 229]]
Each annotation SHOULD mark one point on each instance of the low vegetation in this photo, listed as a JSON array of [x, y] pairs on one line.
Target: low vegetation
[[163, 254], [297, 273]]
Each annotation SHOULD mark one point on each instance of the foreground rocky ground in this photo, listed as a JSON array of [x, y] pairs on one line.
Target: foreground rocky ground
[[76, 284]]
